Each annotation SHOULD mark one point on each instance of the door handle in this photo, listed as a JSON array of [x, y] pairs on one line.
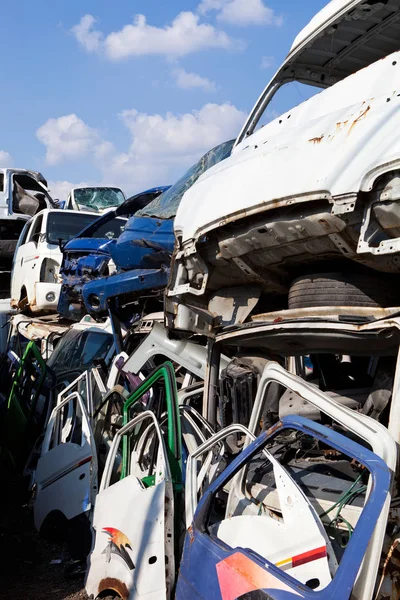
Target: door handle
[[22, 261]]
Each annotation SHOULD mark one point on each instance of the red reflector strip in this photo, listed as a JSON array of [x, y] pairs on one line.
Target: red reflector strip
[[305, 557], [83, 462]]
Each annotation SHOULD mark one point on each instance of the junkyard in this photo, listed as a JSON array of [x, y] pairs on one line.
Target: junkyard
[[200, 381]]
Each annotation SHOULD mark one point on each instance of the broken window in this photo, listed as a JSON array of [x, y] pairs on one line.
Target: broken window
[[166, 205], [98, 198]]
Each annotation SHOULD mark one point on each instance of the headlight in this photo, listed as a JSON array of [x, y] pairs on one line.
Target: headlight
[[50, 296], [94, 301]]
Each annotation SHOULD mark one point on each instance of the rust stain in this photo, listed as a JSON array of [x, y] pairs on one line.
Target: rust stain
[[317, 140], [359, 118], [391, 572], [274, 428], [341, 124], [115, 585], [191, 535]]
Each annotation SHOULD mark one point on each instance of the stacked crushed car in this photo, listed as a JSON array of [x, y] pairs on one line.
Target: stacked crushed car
[[214, 410]]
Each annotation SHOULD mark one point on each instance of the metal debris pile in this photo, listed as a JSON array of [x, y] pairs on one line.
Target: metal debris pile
[[200, 384]]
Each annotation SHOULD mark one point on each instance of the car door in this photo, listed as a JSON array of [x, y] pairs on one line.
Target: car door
[[254, 552], [366, 429], [26, 408], [161, 400], [133, 553], [66, 474], [16, 275], [29, 259]]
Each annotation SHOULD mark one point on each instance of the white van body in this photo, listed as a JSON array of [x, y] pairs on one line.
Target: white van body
[[35, 281]]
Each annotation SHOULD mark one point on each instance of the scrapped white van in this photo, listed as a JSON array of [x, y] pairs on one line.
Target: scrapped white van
[[94, 199], [35, 283]]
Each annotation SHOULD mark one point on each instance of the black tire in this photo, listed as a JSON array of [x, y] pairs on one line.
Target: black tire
[[342, 289]]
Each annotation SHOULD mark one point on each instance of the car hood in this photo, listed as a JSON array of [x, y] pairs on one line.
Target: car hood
[[329, 147], [88, 246], [146, 243]]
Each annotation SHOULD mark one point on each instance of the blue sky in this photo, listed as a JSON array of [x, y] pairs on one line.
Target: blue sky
[[94, 93]]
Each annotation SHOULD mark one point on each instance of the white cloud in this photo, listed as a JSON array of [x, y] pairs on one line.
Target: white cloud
[[86, 35], [183, 36], [6, 159], [187, 81], [206, 5], [161, 148], [267, 62], [177, 136], [241, 12], [66, 138], [61, 189]]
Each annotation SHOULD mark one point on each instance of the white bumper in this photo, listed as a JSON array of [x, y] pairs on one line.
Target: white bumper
[[46, 297]]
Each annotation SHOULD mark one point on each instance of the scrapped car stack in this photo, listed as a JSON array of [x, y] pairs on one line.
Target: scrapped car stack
[[201, 384]]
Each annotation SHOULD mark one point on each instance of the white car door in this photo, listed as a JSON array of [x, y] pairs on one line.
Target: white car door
[[133, 554], [18, 262], [66, 475], [29, 262]]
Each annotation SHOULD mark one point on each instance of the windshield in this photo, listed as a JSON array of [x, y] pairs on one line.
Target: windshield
[[166, 205], [110, 230], [65, 225], [78, 349], [99, 198]]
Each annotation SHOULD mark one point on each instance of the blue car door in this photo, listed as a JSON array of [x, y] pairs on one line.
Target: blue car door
[[277, 543]]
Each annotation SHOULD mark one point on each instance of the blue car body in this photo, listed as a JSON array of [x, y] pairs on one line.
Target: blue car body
[[141, 253], [87, 258], [143, 244]]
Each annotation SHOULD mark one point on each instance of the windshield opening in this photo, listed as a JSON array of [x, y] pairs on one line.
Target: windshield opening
[[166, 205], [287, 97], [66, 225], [98, 198]]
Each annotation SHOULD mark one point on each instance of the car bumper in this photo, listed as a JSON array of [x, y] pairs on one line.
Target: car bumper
[[46, 297], [98, 293]]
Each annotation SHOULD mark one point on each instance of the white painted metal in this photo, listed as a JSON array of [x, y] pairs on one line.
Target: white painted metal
[[185, 393], [191, 357], [321, 25], [27, 267], [373, 432], [141, 527], [324, 160], [66, 475], [194, 479], [114, 370]]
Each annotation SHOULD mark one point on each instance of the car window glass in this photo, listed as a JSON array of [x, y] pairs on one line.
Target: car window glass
[[65, 225], [166, 205], [78, 349], [97, 199], [95, 345], [36, 230], [61, 357], [111, 230]]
